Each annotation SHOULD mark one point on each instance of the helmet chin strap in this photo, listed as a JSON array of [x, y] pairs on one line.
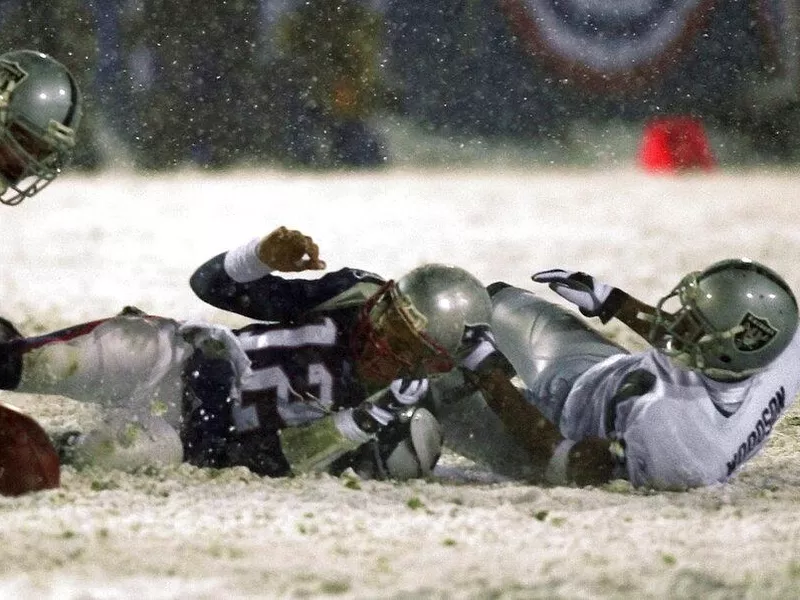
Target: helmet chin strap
[[729, 376]]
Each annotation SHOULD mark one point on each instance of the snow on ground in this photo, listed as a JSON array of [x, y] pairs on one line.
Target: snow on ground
[[90, 245]]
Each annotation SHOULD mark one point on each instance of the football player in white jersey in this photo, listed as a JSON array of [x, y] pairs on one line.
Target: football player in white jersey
[[327, 377], [688, 412], [40, 110]]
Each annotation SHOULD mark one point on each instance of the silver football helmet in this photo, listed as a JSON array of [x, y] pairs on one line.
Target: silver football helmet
[[733, 319], [416, 326], [40, 109]]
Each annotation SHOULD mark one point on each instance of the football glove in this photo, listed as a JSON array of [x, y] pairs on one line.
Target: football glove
[[289, 250], [480, 353], [593, 298], [478, 345]]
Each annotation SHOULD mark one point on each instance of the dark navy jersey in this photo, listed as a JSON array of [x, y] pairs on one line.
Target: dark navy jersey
[[301, 363], [299, 372]]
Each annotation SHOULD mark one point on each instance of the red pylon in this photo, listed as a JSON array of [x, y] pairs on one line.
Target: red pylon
[[673, 144]]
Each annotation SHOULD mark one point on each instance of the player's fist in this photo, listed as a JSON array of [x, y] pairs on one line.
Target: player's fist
[[584, 291], [28, 461], [289, 250]]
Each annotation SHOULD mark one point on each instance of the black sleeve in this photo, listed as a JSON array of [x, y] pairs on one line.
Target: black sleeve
[[272, 297]]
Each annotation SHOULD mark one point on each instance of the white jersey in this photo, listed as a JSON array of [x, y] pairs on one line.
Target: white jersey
[[679, 435]]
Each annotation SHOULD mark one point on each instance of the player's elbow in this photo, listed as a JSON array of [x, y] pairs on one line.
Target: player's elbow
[[204, 280], [199, 284]]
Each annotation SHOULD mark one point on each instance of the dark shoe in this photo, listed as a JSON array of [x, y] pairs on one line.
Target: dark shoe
[[10, 357], [7, 331]]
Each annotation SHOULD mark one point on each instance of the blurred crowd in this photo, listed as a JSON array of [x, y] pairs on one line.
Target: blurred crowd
[[168, 84], [308, 82]]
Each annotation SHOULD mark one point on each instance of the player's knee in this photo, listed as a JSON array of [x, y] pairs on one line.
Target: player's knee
[[127, 446]]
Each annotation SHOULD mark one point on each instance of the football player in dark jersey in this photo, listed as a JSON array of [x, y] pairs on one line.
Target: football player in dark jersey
[[327, 376]]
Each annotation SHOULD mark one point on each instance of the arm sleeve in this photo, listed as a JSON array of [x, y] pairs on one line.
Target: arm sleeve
[[270, 297]]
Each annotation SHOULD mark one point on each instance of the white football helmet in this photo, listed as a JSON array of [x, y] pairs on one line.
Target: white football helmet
[[416, 326], [733, 319], [40, 109]]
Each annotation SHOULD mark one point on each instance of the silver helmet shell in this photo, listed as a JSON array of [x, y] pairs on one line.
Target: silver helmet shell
[[40, 110], [414, 327], [735, 317], [443, 301]]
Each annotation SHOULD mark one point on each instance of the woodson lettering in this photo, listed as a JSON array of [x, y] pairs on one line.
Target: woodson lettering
[[762, 428]]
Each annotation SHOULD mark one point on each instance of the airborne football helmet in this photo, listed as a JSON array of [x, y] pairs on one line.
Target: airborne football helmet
[[40, 109], [733, 319], [415, 327]]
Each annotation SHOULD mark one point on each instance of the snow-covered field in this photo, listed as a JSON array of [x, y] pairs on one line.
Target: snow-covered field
[[90, 245]]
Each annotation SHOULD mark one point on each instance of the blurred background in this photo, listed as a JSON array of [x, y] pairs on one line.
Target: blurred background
[[345, 84]]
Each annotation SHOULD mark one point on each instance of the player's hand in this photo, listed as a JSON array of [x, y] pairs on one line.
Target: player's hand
[[584, 291], [289, 250]]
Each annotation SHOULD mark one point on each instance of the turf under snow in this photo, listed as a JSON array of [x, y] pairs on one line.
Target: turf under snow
[[88, 246]]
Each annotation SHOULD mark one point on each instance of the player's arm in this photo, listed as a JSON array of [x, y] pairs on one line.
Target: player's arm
[[596, 299], [242, 280], [315, 446], [590, 461]]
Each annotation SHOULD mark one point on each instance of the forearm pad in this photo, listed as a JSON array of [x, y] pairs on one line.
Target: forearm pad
[[315, 446]]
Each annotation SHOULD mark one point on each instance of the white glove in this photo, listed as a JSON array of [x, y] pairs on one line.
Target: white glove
[[482, 346], [385, 405], [584, 291], [481, 354], [409, 391]]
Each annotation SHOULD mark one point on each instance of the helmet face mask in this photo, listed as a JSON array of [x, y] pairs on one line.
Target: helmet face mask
[[39, 113], [391, 342], [733, 319], [26, 165], [414, 327]]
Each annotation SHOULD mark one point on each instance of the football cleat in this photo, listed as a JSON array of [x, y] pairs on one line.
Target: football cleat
[[10, 358]]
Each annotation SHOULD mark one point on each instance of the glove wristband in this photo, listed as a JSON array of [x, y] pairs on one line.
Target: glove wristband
[[478, 354], [352, 425], [243, 265]]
